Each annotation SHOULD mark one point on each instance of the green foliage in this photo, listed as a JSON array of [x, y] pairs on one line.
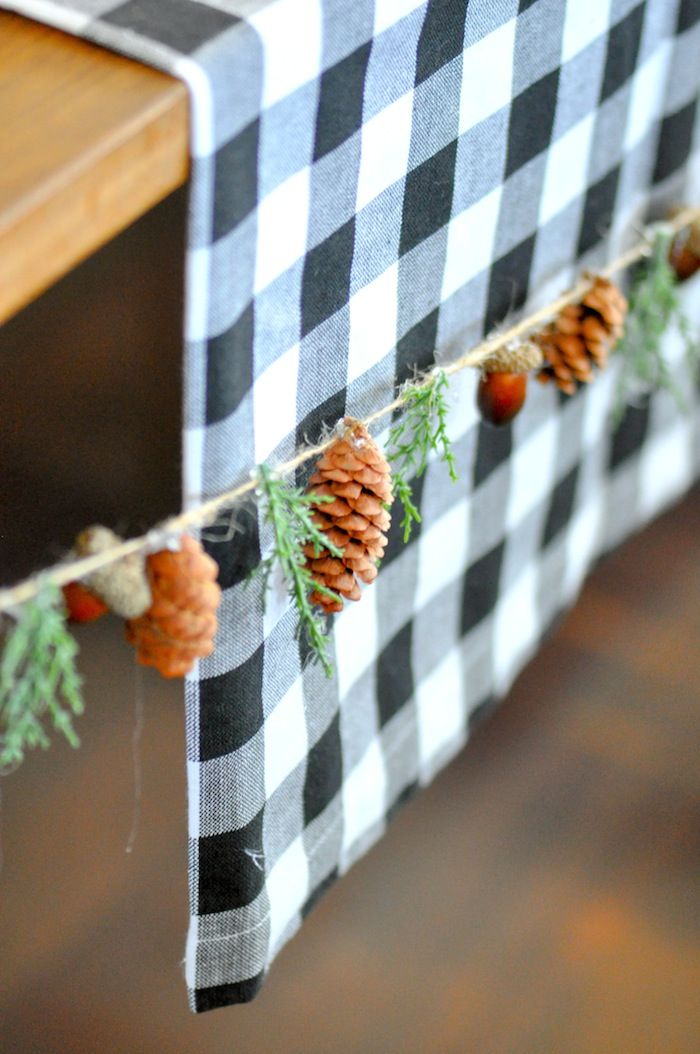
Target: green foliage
[[38, 679], [288, 510], [654, 304], [421, 429]]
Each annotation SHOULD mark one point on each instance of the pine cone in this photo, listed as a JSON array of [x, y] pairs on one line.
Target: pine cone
[[356, 475], [180, 624], [582, 335]]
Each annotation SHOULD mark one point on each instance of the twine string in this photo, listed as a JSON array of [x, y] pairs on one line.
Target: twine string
[[205, 513]]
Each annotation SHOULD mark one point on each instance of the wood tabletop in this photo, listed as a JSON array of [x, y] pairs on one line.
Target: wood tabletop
[[89, 141]]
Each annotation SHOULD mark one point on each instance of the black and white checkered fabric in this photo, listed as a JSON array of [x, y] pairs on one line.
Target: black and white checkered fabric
[[375, 184]]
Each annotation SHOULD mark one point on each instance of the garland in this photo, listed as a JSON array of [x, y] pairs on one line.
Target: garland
[[37, 673]]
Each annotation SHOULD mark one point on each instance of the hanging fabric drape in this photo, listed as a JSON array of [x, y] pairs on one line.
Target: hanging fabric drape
[[375, 185]]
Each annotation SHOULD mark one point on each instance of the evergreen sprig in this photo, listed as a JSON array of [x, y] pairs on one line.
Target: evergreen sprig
[[421, 429], [289, 510], [654, 304], [38, 679]]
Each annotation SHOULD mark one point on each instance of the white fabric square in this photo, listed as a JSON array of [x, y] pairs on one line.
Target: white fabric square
[[275, 400], [388, 12], [450, 534], [285, 738], [287, 889], [567, 168], [283, 223], [584, 22], [647, 96], [197, 269], [363, 795], [356, 637], [515, 629], [193, 786], [582, 541], [192, 461], [470, 238], [373, 321], [598, 405], [665, 469], [487, 76], [202, 140], [440, 710], [385, 144], [291, 35], [532, 473], [462, 412]]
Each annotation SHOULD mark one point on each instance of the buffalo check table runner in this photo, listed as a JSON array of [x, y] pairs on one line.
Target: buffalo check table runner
[[375, 185]]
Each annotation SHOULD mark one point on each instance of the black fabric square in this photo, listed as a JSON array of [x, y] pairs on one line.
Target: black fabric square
[[494, 446], [688, 15], [230, 367], [524, 4], [395, 674], [416, 349], [442, 36], [401, 799], [480, 712], [313, 898], [623, 48], [597, 211], [508, 282], [480, 588], [427, 203], [236, 179], [230, 875], [226, 994], [225, 725], [561, 505], [531, 120], [236, 559], [181, 24], [324, 772], [675, 141], [340, 104], [326, 282], [310, 428], [629, 436]]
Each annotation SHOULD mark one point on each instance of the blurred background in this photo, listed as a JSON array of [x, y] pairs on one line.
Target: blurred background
[[540, 896]]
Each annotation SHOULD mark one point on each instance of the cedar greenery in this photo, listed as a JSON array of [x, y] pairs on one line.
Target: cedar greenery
[[654, 304], [38, 679], [421, 429], [289, 512]]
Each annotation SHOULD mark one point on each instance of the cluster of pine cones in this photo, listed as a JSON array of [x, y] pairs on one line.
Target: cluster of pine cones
[[169, 599], [170, 603]]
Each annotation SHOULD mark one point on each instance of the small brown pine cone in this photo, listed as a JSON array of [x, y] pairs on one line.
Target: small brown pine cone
[[355, 474], [582, 335], [180, 624]]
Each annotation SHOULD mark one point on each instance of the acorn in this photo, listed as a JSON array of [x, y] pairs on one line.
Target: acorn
[[684, 261], [81, 604], [500, 396]]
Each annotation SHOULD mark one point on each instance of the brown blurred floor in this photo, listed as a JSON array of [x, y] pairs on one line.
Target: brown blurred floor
[[541, 896]]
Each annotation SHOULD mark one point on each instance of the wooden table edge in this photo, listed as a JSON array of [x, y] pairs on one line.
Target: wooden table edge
[[78, 180]]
